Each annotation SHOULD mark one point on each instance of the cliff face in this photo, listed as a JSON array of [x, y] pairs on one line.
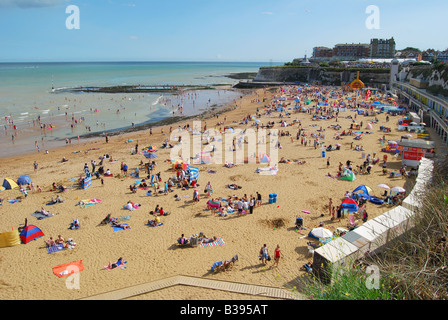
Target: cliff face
[[325, 75], [434, 76]]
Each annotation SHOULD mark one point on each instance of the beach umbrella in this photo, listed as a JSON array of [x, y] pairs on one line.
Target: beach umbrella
[[398, 189], [408, 135], [392, 142], [320, 233], [383, 186], [413, 123], [423, 124], [23, 180]]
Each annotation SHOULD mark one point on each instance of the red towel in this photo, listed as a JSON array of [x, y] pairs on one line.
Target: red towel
[[67, 269]]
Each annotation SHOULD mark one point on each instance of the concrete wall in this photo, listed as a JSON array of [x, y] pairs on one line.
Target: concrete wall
[[309, 74]]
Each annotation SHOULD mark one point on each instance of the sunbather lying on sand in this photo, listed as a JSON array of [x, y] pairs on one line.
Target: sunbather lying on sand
[[120, 262]]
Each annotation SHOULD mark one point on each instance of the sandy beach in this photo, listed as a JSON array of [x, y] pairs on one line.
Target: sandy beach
[[152, 253]]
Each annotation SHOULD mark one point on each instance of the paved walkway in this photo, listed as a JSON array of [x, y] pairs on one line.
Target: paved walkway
[[242, 288]]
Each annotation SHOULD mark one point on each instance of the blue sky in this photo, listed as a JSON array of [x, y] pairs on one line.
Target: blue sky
[[209, 30]]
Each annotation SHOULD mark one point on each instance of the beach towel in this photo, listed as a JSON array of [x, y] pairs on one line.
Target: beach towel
[[134, 207], [56, 248], [150, 225], [116, 228], [41, 216], [53, 203], [88, 203], [14, 201], [213, 204], [217, 242], [64, 270]]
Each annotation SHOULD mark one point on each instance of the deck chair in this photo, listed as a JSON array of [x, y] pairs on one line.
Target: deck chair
[[310, 251], [228, 264], [194, 241], [217, 266], [21, 227], [299, 223]]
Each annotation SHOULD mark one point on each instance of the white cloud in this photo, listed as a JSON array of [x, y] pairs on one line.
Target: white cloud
[[267, 13], [133, 37]]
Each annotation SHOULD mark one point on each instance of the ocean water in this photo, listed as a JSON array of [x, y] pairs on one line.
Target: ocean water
[[26, 94]]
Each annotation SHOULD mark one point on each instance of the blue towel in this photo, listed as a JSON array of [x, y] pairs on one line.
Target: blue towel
[[119, 228], [57, 248]]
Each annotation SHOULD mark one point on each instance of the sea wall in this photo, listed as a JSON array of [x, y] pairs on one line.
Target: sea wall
[[330, 76], [376, 234]]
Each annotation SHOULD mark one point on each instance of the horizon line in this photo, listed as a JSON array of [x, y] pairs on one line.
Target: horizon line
[[140, 61]]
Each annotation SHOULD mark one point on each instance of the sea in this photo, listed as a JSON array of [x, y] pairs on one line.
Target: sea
[[30, 92]]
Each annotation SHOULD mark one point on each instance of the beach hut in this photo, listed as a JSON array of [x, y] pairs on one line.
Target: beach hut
[[351, 252], [9, 184], [395, 221], [30, 233], [374, 232], [9, 239], [325, 259], [403, 216], [23, 180], [359, 241]]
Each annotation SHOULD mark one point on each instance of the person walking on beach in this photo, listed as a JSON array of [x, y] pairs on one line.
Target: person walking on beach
[[328, 162], [264, 254], [330, 206], [251, 205], [258, 199], [35, 166]]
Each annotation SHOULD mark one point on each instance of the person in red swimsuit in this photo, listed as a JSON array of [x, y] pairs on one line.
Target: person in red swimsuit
[[277, 255]]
